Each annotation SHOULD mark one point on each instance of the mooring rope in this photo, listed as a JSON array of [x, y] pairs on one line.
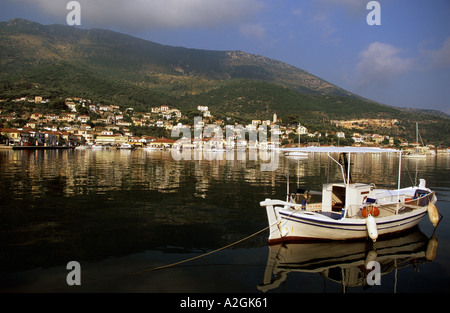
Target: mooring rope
[[168, 265], [203, 255]]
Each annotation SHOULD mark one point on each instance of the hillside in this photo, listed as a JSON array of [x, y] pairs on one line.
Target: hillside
[[62, 61], [27, 44]]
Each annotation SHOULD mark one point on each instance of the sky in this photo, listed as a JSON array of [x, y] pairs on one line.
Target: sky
[[403, 60]]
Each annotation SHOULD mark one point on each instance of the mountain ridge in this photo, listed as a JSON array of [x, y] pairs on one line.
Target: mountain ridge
[[219, 65], [109, 67]]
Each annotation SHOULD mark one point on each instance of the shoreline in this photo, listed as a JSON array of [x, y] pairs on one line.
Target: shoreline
[[34, 148]]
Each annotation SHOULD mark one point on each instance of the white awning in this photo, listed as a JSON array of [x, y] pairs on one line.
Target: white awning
[[331, 149]]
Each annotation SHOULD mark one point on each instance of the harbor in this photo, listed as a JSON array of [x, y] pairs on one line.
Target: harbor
[[140, 221]]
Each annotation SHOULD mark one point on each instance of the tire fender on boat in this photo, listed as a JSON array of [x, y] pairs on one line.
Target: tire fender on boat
[[372, 228], [433, 214]]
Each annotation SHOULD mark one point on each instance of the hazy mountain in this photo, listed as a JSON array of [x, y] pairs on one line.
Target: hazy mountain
[[106, 66], [27, 44]]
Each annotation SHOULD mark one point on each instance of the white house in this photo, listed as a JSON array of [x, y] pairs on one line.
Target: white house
[[84, 118], [203, 108]]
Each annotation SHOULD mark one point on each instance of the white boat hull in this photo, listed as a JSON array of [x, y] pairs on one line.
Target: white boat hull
[[290, 225]]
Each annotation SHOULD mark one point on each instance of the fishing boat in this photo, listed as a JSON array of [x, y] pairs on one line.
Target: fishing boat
[[297, 154], [348, 210]]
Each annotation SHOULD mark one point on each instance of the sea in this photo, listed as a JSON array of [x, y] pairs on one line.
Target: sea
[[120, 221]]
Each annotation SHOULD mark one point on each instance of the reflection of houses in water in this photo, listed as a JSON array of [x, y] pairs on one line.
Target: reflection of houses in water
[[98, 172], [345, 262], [381, 170]]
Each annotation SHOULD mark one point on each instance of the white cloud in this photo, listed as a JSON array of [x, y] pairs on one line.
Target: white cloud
[[151, 14], [380, 63], [440, 58], [256, 31], [299, 12]]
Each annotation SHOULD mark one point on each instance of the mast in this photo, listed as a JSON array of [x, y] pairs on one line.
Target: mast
[[399, 181], [417, 137], [299, 144], [417, 133], [287, 184]]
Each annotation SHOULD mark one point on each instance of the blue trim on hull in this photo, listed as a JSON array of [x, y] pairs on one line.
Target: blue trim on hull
[[361, 227]]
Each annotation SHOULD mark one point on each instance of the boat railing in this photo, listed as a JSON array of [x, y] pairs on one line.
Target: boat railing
[[376, 210], [392, 208]]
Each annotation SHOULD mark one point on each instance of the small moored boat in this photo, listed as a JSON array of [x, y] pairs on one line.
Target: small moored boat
[[300, 155], [349, 210], [125, 146]]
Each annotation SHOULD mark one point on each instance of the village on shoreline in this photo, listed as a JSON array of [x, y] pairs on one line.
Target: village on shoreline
[[82, 123]]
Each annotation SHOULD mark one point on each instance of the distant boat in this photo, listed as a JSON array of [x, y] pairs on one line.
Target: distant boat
[[419, 152], [150, 148], [296, 154], [348, 210], [215, 150], [415, 154], [84, 147], [125, 146]]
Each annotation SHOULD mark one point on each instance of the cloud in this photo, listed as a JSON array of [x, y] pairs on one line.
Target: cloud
[[298, 12], [440, 58], [380, 63], [327, 17], [253, 31], [153, 14]]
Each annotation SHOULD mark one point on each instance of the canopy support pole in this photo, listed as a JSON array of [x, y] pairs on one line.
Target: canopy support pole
[[399, 181], [287, 184], [340, 165]]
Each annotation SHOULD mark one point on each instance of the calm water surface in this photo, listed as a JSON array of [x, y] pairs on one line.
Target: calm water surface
[[121, 214]]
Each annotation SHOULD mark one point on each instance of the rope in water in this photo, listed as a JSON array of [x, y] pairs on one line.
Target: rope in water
[[172, 264], [203, 255]]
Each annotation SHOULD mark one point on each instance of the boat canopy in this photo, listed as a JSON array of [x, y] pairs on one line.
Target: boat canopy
[[331, 149], [348, 150]]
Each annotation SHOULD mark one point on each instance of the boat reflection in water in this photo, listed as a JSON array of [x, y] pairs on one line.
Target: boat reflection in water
[[347, 262]]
